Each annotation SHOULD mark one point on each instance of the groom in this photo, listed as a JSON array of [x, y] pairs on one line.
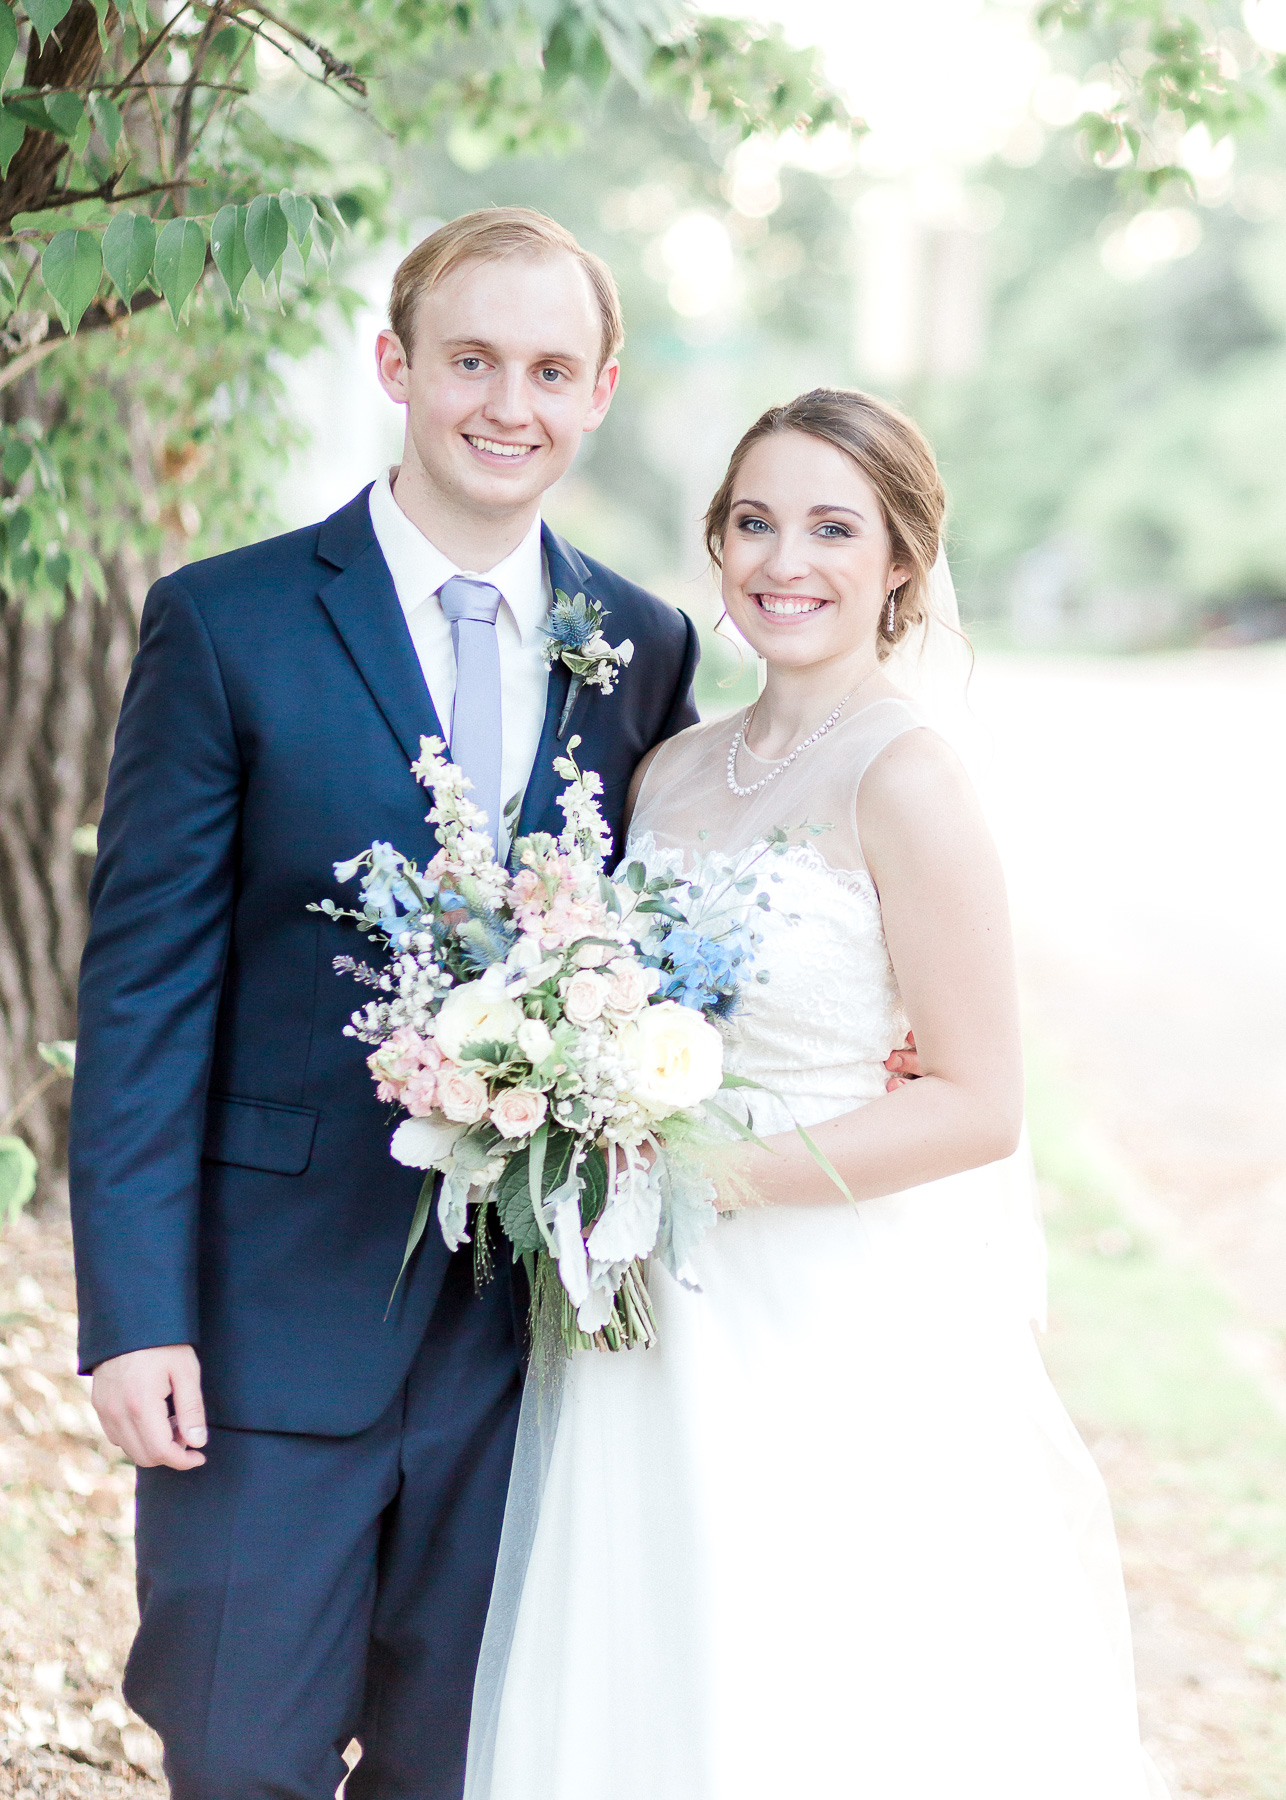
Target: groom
[[320, 1485]]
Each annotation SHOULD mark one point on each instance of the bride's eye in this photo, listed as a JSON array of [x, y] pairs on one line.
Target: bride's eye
[[753, 526], [833, 530]]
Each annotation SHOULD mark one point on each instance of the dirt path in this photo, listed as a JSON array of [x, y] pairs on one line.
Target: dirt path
[[1139, 806]]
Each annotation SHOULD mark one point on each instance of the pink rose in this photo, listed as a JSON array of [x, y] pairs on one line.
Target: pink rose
[[420, 1095], [583, 997], [628, 988], [516, 1112], [462, 1095]]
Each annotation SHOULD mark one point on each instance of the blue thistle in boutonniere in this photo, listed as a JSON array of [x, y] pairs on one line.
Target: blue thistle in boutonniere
[[576, 640]]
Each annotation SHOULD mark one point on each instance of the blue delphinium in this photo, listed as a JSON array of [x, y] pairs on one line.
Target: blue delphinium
[[702, 972]]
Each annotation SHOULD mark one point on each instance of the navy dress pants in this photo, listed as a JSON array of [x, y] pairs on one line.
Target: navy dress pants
[[297, 1592]]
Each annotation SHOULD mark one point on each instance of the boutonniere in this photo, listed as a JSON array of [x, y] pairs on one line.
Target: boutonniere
[[576, 640]]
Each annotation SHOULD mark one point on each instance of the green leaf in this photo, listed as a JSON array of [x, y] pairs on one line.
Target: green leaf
[[228, 246], [266, 234], [60, 1055], [100, 13], [179, 260], [45, 15], [12, 131], [593, 1186], [300, 213], [107, 117], [129, 243], [8, 292], [142, 17], [17, 457], [324, 238], [419, 1219], [71, 269], [513, 1207], [66, 112], [18, 1170], [8, 39]]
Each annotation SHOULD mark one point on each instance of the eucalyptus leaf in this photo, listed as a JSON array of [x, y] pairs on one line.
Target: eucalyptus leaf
[[179, 260], [45, 15], [107, 117], [18, 1170], [8, 39], [12, 131], [228, 247], [266, 234], [129, 244], [71, 269]]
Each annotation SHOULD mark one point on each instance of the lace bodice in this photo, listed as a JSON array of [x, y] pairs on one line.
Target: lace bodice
[[818, 1030]]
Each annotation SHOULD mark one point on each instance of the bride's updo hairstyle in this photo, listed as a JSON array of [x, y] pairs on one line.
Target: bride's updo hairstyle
[[893, 454]]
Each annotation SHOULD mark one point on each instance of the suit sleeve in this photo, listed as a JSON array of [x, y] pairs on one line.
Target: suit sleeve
[[683, 708], [161, 905]]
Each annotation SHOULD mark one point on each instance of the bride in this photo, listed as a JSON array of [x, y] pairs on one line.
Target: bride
[[836, 1536]]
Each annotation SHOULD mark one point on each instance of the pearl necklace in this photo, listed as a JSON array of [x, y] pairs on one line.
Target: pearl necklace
[[745, 792]]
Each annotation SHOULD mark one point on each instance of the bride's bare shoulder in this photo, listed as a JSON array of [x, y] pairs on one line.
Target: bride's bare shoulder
[[915, 784]]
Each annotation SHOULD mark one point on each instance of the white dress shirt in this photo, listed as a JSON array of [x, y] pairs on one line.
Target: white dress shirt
[[419, 570]]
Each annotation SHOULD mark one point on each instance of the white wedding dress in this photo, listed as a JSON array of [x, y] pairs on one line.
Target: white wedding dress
[[835, 1538]]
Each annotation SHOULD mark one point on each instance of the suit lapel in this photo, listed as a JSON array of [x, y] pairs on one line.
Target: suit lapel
[[568, 574], [365, 611]]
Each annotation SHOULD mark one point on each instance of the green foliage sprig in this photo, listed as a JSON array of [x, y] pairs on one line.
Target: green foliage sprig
[[1170, 67]]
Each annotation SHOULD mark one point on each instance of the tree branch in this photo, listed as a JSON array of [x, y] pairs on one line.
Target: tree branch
[[98, 318], [107, 191]]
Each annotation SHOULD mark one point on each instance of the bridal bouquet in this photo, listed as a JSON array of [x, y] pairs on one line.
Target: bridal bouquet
[[548, 1034]]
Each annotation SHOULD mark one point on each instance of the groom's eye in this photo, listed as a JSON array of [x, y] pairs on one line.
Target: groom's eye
[[470, 363], [550, 376]]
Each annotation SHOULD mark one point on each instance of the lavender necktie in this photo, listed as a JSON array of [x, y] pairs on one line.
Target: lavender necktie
[[471, 607]]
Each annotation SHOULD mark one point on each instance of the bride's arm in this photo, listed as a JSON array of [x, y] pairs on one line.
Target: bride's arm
[[946, 920]]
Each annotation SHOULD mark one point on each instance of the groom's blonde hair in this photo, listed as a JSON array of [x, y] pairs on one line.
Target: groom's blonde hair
[[893, 454], [489, 236]]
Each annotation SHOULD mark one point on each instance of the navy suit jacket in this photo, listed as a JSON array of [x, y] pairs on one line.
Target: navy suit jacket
[[231, 1181]]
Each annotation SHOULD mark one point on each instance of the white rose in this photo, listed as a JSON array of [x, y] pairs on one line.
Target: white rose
[[535, 1040], [462, 1095], [517, 1112], [629, 988], [424, 1143], [583, 997], [675, 1058], [471, 1015]]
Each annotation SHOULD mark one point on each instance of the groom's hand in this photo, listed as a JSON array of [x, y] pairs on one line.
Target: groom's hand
[[903, 1065], [149, 1402]]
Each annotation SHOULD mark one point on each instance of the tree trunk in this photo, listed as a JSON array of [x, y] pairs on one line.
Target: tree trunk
[[61, 682]]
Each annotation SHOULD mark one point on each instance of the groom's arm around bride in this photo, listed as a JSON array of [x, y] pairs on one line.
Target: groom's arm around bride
[[321, 1486]]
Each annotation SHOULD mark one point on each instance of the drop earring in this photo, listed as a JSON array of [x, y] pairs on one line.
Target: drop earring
[[892, 613]]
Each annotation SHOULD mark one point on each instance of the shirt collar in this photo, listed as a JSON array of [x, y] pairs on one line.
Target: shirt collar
[[419, 568]]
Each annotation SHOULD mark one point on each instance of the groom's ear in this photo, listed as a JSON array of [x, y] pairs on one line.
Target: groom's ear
[[604, 388], [393, 365]]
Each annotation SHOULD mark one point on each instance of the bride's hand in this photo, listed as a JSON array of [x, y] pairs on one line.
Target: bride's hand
[[903, 1065]]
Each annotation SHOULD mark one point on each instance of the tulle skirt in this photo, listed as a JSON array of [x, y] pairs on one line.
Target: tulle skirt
[[835, 1537]]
